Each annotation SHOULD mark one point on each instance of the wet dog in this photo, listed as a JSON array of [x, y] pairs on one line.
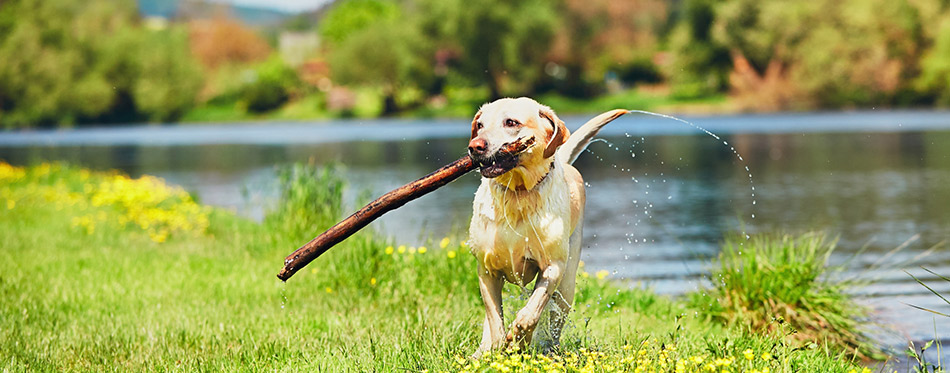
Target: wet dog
[[528, 213]]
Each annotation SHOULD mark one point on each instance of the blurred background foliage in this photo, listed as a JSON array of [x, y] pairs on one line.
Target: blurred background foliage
[[72, 62]]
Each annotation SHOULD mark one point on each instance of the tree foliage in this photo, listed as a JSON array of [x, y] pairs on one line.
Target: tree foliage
[[70, 61], [222, 40]]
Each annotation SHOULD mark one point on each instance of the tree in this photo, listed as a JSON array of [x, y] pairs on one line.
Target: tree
[[222, 40], [837, 53], [351, 16], [504, 43], [597, 36], [700, 64], [73, 61], [380, 55]]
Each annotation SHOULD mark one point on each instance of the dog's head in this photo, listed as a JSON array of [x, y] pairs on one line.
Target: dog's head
[[508, 120]]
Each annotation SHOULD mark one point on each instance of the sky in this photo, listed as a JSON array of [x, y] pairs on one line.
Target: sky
[[294, 6]]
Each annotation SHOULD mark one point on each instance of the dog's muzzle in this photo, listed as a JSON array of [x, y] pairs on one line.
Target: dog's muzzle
[[503, 160]]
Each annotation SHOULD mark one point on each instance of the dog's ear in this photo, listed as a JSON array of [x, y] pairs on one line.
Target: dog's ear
[[475, 125], [560, 134]]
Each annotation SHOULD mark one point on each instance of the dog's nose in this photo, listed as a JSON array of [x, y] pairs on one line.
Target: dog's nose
[[477, 146]]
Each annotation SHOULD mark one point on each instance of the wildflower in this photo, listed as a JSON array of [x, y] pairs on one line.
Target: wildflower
[[389, 250], [313, 270], [766, 356], [329, 290], [451, 254], [159, 236], [11, 204], [749, 354], [372, 281], [444, 243], [602, 274], [401, 249], [724, 362], [584, 274], [422, 250], [412, 250]]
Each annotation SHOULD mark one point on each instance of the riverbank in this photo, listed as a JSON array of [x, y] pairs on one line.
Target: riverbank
[[103, 272], [460, 103]]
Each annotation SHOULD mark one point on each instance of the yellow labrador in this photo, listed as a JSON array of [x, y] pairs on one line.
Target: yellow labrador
[[528, 213]]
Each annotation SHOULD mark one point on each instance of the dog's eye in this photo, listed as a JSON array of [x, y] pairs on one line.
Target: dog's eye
[[512, 123], [479, 125]]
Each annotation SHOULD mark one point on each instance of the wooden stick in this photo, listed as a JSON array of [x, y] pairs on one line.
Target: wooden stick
[[389, 201]]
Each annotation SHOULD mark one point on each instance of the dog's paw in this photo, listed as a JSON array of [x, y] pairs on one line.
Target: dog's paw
[[520, 332]]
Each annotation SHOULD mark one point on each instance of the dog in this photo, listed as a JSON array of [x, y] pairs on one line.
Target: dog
[[528, 212]]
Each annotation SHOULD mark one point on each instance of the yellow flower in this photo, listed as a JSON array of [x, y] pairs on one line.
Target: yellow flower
[[444, 243], [412, 250], [329, 290], [401, 249], [766, 356], [159, 236], [372, 281], [724, 361], [749, 354], [389, 250], [451, 254], [422, 250], [11, 204], [602, 274], [313, 270], [584, 274]]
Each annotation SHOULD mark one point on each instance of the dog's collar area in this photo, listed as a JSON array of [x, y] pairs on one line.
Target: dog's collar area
[[522, 188]]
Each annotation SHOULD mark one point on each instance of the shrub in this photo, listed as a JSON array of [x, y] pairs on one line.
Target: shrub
[[270, 86]]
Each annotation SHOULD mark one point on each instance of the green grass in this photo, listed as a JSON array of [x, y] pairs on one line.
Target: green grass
[[634, 99], [774, 279], [114, 297], [459, 103]]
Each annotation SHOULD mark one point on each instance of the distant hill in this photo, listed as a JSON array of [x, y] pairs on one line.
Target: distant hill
[[253, 16]]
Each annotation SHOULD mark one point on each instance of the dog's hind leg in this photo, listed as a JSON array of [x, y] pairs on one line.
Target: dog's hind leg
[[493, 334]]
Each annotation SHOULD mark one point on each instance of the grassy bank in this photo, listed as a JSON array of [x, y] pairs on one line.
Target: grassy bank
[[457, 103], [101, 272]]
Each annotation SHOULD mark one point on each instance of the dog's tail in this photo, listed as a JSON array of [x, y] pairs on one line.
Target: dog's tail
[[581, 138]]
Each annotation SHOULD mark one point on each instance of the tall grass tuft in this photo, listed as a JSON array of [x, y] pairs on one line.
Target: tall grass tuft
[[310, 200], [772, 281]]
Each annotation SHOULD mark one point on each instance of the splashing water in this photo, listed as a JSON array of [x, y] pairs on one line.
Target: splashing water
[[283, 294], [725, 143]]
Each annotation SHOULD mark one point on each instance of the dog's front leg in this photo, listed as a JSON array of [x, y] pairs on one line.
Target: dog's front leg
[[527, 319], [493, 334]]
